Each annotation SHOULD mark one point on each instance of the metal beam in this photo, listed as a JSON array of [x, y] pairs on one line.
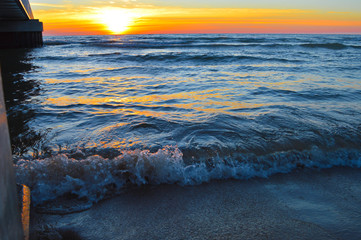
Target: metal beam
[[15, 10], [18, 28]]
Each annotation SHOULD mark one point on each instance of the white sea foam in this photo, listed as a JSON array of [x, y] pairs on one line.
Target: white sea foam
[[95, 177]]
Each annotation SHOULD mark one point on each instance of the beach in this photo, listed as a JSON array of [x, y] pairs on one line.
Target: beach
[[305, 204]]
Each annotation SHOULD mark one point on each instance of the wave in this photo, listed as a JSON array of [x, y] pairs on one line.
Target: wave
[[314, 94], [333, 46], [165, 42], [82, 41], [62, 42], [200, 37], [94, 178], [189, 46], [59, 58], [105, 54], [154, 45], [55, 43], [202, 58], [196, 45]]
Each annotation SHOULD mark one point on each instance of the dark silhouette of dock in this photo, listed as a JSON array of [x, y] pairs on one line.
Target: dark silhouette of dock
[[18, 28]]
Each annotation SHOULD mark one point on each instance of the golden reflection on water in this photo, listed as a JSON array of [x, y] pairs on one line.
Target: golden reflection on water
[[184, 105], [203, 101], [79, 80], [115, 143]]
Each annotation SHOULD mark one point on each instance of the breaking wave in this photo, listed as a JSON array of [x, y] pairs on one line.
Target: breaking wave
[[94, 178]]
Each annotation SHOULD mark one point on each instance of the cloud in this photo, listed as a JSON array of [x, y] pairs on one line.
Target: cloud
[[48, 5]]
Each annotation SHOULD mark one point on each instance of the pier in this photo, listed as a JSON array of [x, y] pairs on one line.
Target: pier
[[10, 217], [18, 28]]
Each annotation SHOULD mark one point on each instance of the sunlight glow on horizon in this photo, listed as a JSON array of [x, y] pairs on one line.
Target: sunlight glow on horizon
[[149, 19], [116, 20]]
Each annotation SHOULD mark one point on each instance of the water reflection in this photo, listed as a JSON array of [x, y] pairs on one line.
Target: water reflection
[[18, 92]]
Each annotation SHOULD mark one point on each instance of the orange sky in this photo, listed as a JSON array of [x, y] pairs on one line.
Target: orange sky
[[93, 20]]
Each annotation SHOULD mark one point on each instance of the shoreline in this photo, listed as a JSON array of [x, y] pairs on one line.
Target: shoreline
[[304, 204]]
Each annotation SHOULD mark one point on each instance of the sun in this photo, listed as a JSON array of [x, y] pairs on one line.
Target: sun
[[116, 20]]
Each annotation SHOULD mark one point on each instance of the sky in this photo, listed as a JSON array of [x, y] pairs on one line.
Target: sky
[[94, 17]]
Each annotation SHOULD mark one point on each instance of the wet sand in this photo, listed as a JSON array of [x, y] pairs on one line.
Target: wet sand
[[306, 204]]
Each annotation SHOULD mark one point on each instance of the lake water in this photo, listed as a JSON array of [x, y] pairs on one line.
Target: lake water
[[92, 115]]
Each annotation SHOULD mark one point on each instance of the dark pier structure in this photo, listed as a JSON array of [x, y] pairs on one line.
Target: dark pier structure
[[18, 28]]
